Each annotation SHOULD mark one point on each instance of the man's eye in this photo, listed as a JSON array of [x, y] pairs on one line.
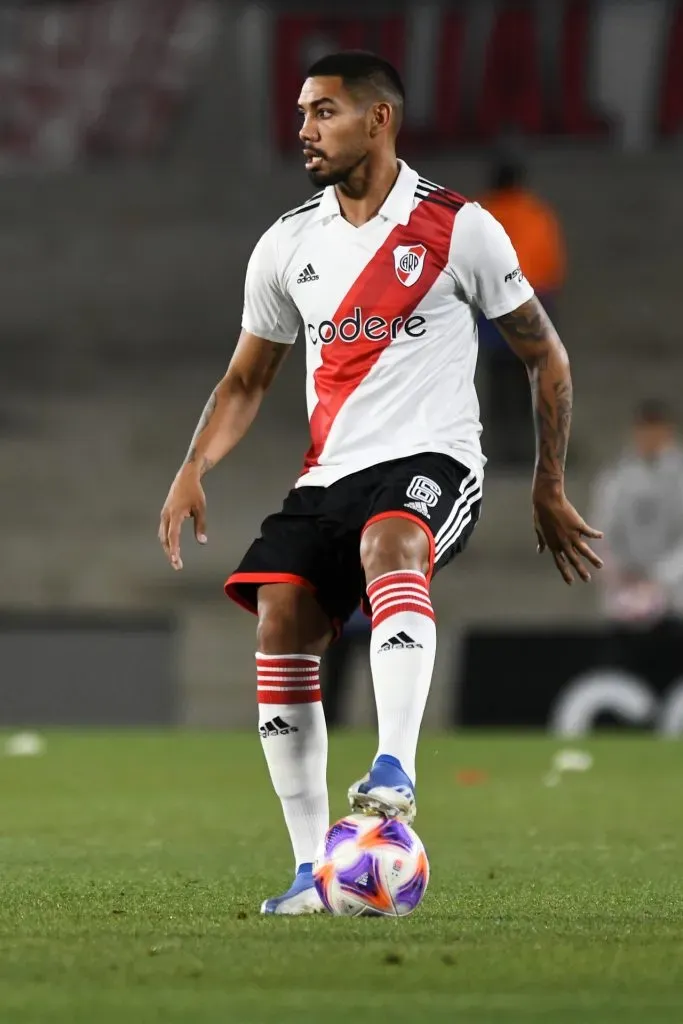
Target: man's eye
[[325, 113]]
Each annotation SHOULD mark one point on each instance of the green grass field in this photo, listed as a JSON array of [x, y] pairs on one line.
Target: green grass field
[[133, 865]]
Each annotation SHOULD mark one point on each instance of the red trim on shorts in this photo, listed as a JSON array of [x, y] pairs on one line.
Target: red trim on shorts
[[400, 514], [260, 578]]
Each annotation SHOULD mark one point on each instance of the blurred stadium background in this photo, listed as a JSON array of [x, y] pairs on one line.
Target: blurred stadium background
[[144, 146]]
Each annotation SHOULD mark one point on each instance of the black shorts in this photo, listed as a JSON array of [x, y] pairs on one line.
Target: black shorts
[[314, 541]]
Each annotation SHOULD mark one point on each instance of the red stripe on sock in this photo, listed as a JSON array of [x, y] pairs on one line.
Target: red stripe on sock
[[412, 579], [398, 592], [288, 680], [278, 662], [268, 696], [419, 609]]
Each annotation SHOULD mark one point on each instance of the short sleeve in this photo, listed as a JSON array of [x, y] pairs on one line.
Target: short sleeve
[[485, 263], [269, 311]]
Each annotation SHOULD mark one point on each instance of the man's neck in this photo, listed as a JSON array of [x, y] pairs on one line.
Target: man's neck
[[361, 198]]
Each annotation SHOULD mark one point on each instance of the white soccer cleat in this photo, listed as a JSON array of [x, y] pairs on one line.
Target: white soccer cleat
[[386, 789], [301, 897]]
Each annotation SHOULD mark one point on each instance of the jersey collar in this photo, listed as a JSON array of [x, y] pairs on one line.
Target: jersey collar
[[397, 207]]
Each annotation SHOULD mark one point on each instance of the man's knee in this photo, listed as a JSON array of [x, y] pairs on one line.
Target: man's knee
[[392, 544], [290, 621]]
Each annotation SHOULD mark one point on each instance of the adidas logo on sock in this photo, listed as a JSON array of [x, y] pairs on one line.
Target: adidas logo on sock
[[418, 506], [307, 274], [399, 642], [278, 727]]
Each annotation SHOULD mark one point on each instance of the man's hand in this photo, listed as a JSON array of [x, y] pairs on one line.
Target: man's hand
[[185, 500], [560, 528]]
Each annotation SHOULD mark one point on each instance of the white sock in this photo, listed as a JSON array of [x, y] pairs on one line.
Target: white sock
[[402, 651], [294, 740]]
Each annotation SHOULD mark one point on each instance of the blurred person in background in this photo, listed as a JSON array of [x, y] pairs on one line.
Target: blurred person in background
[[536, 234], [639, 499]]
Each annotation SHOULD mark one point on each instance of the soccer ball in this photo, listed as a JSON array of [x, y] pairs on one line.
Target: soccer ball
[[371, 866]]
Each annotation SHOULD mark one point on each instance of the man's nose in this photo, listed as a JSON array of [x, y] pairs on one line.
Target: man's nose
[[308, 132]]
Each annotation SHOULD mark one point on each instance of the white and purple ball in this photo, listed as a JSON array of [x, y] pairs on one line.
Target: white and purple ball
[[371, 866]]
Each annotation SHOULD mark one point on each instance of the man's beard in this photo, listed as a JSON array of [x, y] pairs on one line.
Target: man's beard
[[321, 178]]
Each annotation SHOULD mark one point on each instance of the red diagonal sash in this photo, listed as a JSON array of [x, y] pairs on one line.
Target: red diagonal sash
[[378, 292]]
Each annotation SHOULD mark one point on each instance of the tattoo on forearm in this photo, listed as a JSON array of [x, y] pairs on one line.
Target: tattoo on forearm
[[536, 363], [552, 417], [531, 335], [204, 420], [206, 464]]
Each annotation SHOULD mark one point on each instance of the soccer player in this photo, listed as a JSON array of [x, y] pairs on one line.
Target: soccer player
[[387, 272]]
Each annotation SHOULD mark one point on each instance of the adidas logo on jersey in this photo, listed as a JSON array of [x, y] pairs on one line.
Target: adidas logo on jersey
[[400, 642], [418, 506], [307, 274], [278, 727]]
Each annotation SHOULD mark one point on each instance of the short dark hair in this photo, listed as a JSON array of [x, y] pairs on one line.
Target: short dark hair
[[653, 410], [361, 69]]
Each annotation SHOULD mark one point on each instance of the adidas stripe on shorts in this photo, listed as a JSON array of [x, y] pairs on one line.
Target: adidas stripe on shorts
[[314, 540]]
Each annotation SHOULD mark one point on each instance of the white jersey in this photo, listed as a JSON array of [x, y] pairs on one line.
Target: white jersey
[[389, 315]]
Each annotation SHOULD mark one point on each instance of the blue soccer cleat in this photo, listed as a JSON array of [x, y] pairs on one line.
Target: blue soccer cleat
[[386, 789], [301, 897]]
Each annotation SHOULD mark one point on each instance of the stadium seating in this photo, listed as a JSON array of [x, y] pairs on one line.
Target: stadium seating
[[92, 80]]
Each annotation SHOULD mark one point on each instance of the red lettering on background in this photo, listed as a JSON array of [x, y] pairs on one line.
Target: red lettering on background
[[391, 41], [513, 93], [448, 110], [671, 97], [575, 116], [512, 89]]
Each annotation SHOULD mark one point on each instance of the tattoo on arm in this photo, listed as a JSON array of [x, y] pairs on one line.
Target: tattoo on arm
[[552, 419], [529, 322], [531, 335], [527, 330], [204, 420], [206, 464], [251, 376], [277, 355]]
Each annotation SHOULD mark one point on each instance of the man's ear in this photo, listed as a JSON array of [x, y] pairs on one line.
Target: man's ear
[[380, 118]]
